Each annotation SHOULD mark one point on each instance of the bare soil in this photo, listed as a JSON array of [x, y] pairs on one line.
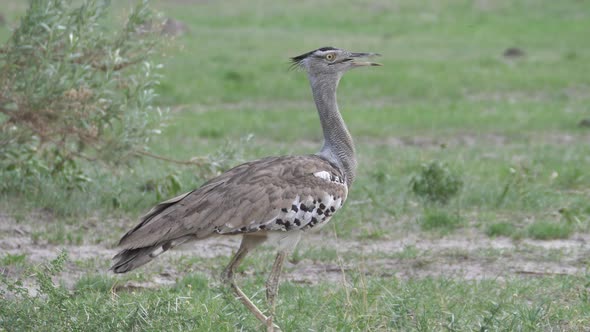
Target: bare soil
[[468, 256]]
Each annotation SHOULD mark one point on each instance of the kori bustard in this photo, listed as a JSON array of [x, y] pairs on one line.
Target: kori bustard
[[275, 199]]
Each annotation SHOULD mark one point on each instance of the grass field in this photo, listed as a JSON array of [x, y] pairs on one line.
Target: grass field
[[510, 253]]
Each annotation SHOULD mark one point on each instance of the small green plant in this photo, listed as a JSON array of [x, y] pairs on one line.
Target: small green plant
[[520, 182], [55, 294], [436, 183], [13, 259], [575, 214], [43, 277], [501, 229]]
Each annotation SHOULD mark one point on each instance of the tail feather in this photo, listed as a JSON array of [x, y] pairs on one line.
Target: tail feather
[[130, 259]]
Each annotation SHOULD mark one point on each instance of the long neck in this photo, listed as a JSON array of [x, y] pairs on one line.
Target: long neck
[[338, 146]]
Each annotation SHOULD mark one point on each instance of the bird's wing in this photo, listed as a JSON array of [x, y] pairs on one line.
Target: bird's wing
[[271, 194]]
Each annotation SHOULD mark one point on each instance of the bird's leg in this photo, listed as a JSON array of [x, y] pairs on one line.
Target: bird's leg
[[228, 275], [272, 287]]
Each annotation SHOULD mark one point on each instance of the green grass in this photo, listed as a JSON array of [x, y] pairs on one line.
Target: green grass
[[546, 230], [538, 230], [441, 220], [365, 303], [445, 93]]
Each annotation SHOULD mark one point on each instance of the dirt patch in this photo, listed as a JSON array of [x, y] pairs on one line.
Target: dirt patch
[[471, 258], [468, 256], [465, 139], [473, 139]]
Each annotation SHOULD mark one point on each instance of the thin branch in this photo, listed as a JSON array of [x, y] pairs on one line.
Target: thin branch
[[83, 156], [5, 111], [199, 161], [116, 67]]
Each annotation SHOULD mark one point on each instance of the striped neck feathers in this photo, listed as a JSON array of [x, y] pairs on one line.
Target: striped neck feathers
[[338, 146]]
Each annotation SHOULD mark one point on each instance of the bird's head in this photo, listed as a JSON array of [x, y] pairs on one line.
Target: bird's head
[[331, 61]]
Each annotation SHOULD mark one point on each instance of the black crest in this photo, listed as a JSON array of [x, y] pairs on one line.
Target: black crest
[[297, 59]]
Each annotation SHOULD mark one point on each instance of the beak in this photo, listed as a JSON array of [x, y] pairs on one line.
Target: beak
[[354, 57]]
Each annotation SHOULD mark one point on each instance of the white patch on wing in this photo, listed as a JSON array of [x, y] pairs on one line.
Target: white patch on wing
[[156, 252], [327, 176], [322, 175]]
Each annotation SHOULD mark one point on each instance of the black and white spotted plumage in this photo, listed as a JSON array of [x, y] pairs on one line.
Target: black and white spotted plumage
[[304, 214]]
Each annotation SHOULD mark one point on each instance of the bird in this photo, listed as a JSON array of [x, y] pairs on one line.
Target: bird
[[271, 200]]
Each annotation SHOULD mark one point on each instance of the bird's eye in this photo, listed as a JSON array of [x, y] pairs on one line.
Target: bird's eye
[[330, 56]]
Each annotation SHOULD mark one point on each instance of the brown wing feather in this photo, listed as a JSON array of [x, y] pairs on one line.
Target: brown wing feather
[[247, 196]]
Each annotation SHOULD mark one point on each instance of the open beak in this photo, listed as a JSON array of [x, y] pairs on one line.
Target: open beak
[[354, 58]]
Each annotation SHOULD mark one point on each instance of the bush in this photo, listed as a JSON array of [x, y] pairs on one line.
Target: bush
[[436, 183], [72, 88]]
